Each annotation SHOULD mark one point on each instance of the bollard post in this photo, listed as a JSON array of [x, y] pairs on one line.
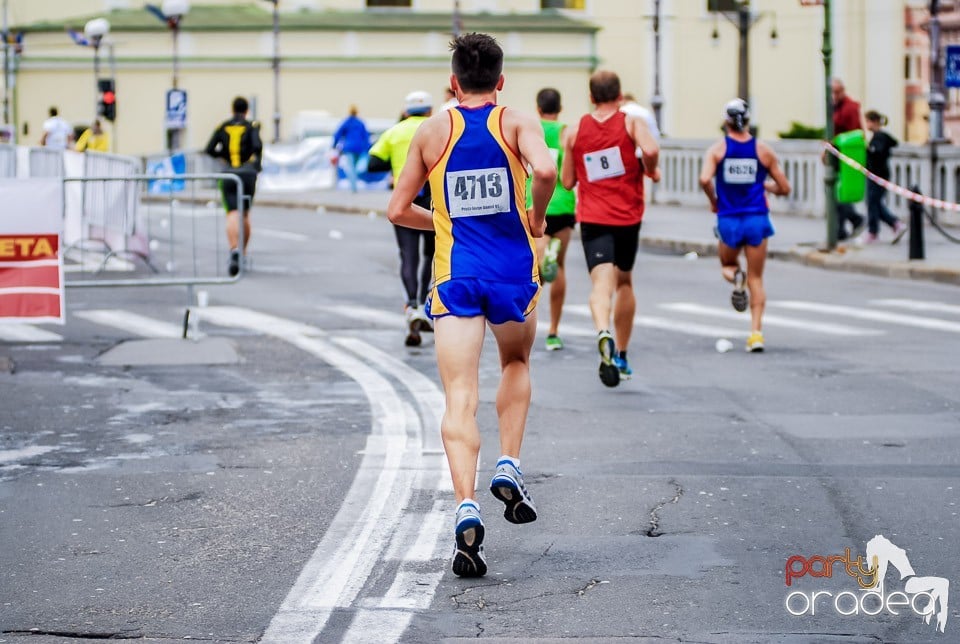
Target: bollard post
[[916, 227]]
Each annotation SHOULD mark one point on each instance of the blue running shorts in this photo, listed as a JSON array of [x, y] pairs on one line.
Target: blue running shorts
[[744, 230], [498, 302]]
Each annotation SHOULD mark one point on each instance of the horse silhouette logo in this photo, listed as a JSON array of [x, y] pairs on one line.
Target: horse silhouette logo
[[883, 553]]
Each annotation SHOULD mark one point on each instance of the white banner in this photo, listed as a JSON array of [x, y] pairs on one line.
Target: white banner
[[307, 165]]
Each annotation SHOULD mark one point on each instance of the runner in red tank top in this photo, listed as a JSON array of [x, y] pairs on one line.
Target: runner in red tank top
[[600, 158], [608, 172]]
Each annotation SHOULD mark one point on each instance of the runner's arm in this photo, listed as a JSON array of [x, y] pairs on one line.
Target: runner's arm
[[568, 172], [534, 149], [708, 171], [777, 182], [401, 210]]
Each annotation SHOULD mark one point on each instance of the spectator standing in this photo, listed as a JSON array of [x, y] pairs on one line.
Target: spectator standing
[[352, 140], [878, 162], [57, 133], [94, 139]]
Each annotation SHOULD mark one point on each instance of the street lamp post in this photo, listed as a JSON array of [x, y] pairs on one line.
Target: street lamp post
[[174, 11], [656, 101], [739, 14], [830, 171], [276, 70], [95, 30], [457, 19], [937, 96]]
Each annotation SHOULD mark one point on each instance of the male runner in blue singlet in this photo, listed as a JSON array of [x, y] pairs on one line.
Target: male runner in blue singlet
[[742, 165], [485, 271]]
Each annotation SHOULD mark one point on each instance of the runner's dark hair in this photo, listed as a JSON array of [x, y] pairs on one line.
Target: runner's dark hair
[[477, 62], [548, 100]]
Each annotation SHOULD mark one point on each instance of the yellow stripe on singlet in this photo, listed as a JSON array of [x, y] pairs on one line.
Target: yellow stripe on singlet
[[519, 173], [442, 223], [235, 134]]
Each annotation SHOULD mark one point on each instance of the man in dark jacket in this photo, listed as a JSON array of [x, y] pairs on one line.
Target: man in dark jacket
[[237, 143]]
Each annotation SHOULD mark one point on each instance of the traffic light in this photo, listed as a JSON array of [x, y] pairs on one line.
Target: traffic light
[[107, 106]]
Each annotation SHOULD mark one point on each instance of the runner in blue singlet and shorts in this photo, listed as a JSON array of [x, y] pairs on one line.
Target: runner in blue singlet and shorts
[[485, 271], [741, 166]]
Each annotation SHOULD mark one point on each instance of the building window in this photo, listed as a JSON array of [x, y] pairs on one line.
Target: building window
[[563, 4], [376, 4]]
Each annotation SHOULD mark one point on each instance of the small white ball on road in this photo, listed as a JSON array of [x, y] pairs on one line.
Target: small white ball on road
[[336, 234], [723, 345], [372, 214], [691, 256]]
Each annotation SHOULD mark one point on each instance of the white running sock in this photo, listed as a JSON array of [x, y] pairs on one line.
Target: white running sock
[[513, 461], [470, 501]]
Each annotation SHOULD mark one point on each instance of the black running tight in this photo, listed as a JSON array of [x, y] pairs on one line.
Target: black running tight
[[408, 240]]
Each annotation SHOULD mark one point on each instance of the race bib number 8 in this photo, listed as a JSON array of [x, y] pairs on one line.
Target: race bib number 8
[[473, 193], [740, 171], [603, 164]]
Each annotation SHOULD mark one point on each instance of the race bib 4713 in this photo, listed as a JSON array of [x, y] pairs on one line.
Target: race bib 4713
[[472, 193]]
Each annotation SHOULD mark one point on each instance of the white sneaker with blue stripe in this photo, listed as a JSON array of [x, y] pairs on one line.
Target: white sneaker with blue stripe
[[468, 560], [507, 485]]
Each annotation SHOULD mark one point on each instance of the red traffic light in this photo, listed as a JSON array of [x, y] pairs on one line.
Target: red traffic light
[[109, 98]]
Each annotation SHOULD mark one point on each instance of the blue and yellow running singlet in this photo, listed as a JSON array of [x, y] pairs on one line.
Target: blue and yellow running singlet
[[479, 194]]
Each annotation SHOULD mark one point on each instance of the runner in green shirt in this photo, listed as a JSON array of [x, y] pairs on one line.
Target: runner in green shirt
[[552, 247]]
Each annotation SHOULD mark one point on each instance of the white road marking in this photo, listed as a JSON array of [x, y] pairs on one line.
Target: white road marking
[[664, 324], [773, 320], [282, 234], [17, 332], [367, 314], [132, 322], [876, 316], [370, 515], [917, 305]]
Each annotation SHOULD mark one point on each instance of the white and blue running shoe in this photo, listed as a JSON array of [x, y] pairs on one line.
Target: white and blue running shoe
[[468, 558], [507, 485]]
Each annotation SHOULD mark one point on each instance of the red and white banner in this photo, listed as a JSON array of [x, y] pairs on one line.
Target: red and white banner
[[31, 261]]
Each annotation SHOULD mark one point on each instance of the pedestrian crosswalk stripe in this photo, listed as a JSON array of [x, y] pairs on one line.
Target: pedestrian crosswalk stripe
[[664, 324], [919, 305], [868, 314], [26, 333], [773, 320], [366, 313], [132, 322]]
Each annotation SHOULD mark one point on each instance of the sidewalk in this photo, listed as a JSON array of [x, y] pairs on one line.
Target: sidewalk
[[684, 229]]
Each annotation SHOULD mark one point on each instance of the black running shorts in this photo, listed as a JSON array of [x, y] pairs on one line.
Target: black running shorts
[[228, 189], [610, 244], [556, 223]]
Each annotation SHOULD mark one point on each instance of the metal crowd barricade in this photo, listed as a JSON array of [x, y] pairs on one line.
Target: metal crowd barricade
[[130, 236], [8, 161]]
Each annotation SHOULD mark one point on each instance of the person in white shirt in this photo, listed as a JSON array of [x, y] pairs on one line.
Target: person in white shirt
[[631, 107], [450, 100], [57, 133]]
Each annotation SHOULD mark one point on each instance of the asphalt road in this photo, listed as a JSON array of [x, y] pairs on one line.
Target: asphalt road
[[295, 489]]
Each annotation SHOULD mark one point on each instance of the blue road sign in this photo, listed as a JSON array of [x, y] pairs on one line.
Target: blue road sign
[[952, 74], [176, 109]]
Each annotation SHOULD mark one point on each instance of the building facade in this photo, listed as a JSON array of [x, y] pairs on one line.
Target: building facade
[[370, 53]]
